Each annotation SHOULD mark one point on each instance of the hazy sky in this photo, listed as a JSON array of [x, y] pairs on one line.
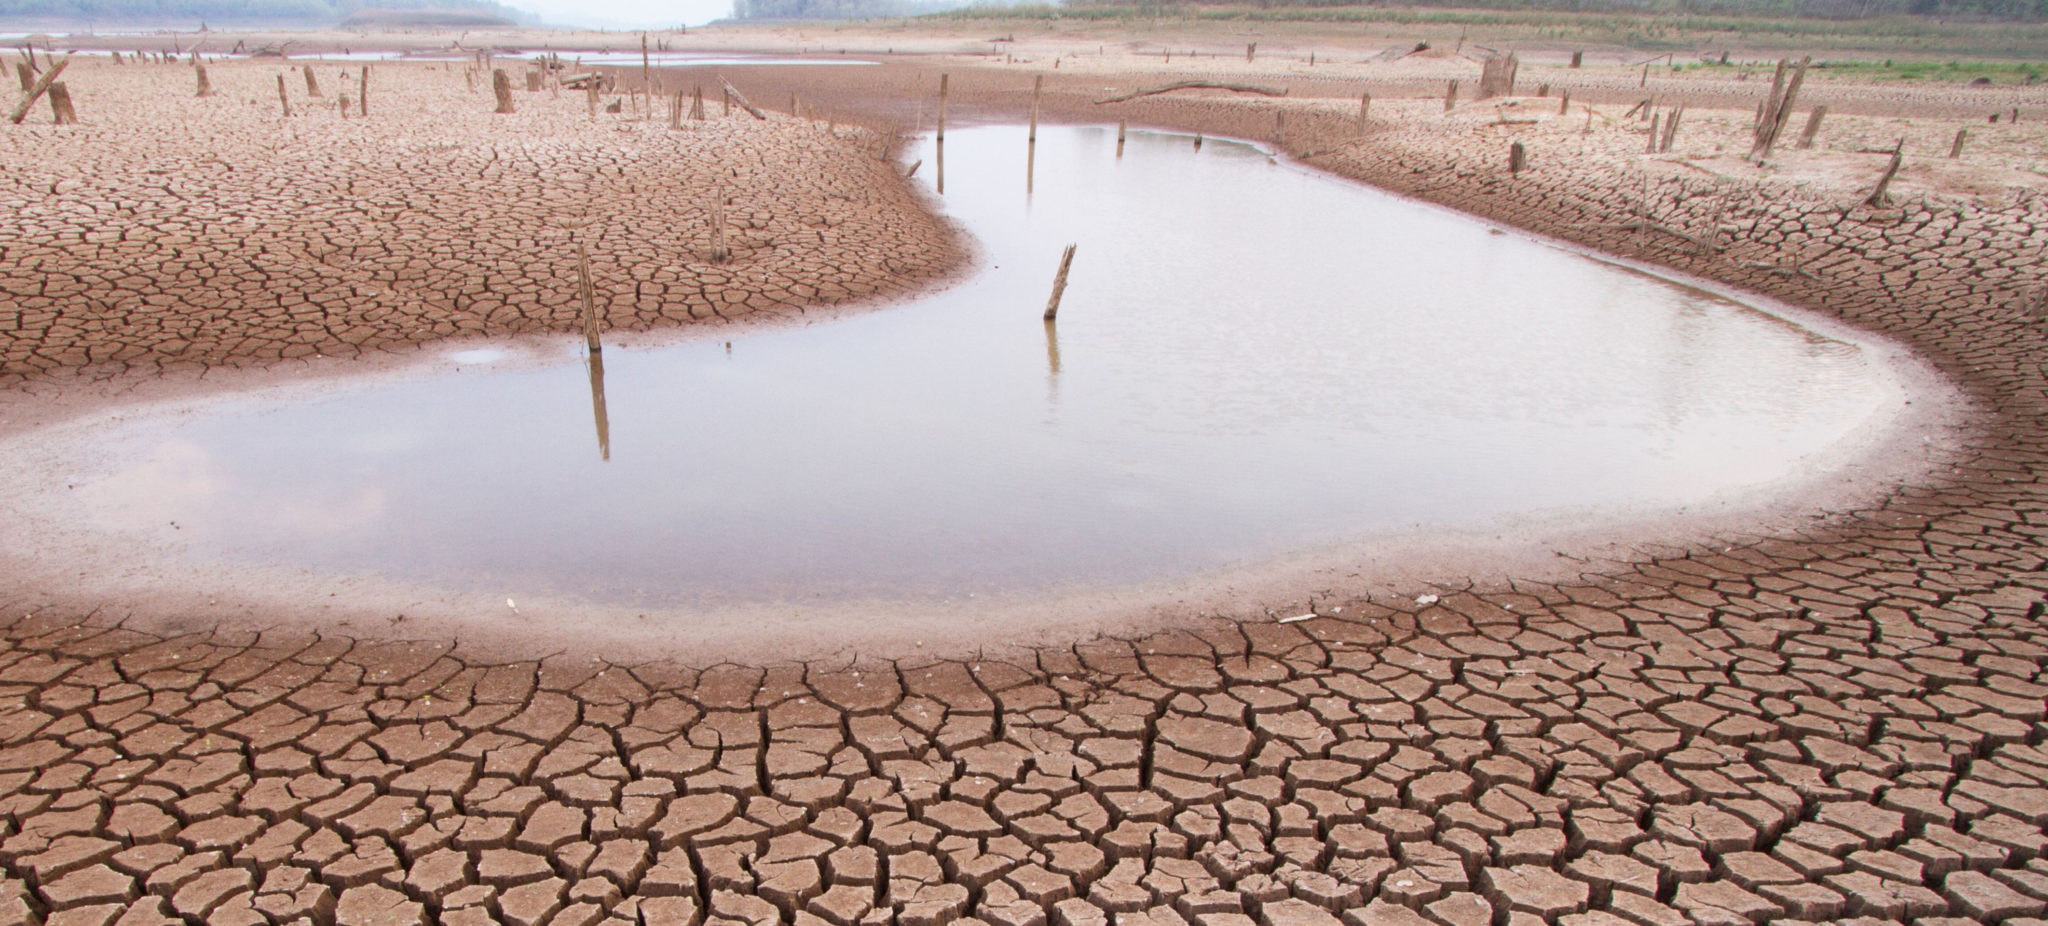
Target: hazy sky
[[627, 14]]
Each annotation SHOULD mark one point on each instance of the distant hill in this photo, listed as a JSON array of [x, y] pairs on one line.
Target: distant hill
[[189, 13]]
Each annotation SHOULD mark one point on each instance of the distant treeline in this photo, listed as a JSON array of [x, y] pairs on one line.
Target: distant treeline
[[2003, 10], [234, 12], [833, 9]]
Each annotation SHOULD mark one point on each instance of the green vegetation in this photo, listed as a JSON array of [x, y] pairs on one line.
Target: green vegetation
[[1688, 35]]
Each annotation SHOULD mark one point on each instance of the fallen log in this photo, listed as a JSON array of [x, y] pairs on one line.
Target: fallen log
[[42, 85], [1195, 85], [755, 111]]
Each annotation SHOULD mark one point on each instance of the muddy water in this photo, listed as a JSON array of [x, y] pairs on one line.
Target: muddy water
[[1250, 360]]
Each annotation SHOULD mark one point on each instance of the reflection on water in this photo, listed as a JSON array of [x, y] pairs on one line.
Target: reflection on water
[[604, 421], [1252, 360]]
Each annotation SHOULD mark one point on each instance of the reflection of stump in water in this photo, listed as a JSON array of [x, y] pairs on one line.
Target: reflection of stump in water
[[597, 409], [1052, 345]]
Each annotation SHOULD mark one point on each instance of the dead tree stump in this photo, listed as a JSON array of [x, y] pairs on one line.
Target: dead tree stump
[[501, 85], [1881, 197], [60, 105], [1812, 126], [1059, 285]]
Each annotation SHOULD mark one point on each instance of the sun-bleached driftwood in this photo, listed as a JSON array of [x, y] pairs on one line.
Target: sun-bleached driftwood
[[1195, 85]]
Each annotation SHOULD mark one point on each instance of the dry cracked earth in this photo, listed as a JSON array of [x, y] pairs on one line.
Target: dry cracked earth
[[1839, 725]]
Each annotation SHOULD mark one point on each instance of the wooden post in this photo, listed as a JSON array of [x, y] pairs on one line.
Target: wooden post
[[1881, 197], [590, 95], [1059, 285], [1956, 150], [727, 112], [1671, 128], [205, 86], [1518, 158], [363, 93], [1565, 105], [1655, 121], [24, 75], [942, 108], [1251, 49], [60, 105], [1364, 106], [1450, 96], [1578, 57], [1812, 126], [283, 101], [36, 91], [312, 86], [1037, 85], [675, 111], [501, 87], [718, 250], [533, 81], [1121, 125], [1645, 81], [697, 104], [584, 289], [733, 95], [646, 73]]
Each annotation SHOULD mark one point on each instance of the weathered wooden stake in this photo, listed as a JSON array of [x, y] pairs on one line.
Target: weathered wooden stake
[[24, 75], [718, 251], [1121, 125], [1578, 57], [284, 102], [675, 111], [1956, 150], [469, 78], [1812, 126], [697, 104], [60, 105], [363, 93], [1881, 197], [312, 85], [1671, 128], [501, 87], [589, 295], [36, 91], [1251, 50], [1518, 158], [1059, 285], [590, 96], [942, 108], [1450, 96], [1655, 120], [646, 73], [1037, 86], [1565, 105], [533, 81], [1364, 107]]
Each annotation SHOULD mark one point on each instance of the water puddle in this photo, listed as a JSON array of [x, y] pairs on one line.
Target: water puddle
[[1251, 360]]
